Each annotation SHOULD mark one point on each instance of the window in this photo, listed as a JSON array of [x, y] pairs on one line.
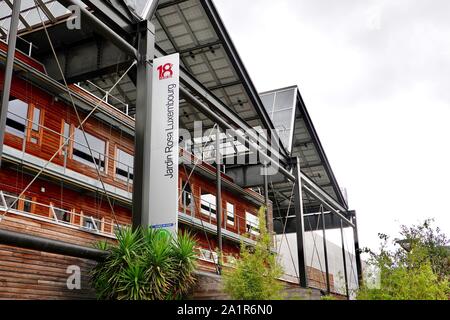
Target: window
[[27, 204], [208, 255], [62, 215], [35, 130], [17, 117], [124, 165], [11, 200], [208, 205], [186, 198], [230, 213], [81, 151], [92, 224], [252, 223], [65, 136]]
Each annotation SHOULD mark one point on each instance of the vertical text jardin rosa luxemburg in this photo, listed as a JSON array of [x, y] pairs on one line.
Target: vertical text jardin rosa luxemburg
[[170, 131]]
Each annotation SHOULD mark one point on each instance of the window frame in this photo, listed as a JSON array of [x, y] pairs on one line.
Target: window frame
[[127, 180], [30, 132], [25, 121], [103, 170], [209, 214], [229, 222], [253, 230]]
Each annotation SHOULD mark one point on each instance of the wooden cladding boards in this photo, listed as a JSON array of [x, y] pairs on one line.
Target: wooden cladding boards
[[60, 196], [56, 113], [28, 274]]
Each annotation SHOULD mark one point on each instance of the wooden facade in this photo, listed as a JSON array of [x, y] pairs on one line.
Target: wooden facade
[[44, 135]]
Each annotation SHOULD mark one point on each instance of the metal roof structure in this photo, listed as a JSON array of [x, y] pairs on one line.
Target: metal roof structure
[[296, 130], [192, 28], [215, 89]]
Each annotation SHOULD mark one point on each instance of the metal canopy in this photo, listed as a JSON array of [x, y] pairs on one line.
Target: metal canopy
[[194, 29], [296, 130]]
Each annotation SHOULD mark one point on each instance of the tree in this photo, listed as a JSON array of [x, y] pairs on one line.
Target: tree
[[412, 268], [146, 264], [254, 276]]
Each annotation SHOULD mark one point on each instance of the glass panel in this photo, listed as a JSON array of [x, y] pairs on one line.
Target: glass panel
[[27, 204], [252, 223], [208, 205], [267, 101], [230, 213], [10, 198], [36, 119], [88, 223], [282, 119], [284, 100], [124, 165], [17, 117], [62, 215], [187, 196], [81, 151]]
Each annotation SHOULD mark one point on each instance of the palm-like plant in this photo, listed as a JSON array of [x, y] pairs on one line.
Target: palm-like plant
[[146, 264]]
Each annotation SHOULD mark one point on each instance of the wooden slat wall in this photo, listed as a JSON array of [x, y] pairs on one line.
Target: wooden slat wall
[[28, 274]]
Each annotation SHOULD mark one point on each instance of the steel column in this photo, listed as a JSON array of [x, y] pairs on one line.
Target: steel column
[[219, 198], [9, 70], [325, 251], [298, 198], [344, 259], [266, 194], [357, 250], [142, 144]]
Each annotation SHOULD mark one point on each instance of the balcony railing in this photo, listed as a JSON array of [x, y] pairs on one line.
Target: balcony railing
[[196, 207], [53, 214], [86, 221]]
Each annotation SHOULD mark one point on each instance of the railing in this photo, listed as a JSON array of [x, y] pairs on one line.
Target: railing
[[67, 218], [107, 96], [85, 221], [206, 211], [127, 181]]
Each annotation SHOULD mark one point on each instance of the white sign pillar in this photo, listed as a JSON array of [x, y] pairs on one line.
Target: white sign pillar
[[163, 197]]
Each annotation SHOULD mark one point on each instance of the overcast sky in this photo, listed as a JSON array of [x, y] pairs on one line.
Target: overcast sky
[[374, 75]]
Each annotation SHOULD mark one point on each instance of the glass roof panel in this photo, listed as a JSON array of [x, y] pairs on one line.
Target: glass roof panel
[[280, 106]]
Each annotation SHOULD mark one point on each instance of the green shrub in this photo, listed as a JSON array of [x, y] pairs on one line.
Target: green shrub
[[146, 264], [254, 276], [415, 270]]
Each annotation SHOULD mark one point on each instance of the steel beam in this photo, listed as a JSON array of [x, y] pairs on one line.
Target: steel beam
[[344, 260], [22, 19], [325, 251], [219, 210], [241, 137], [102, 28], [327, 205], [266, 194], [249, 176], [357, 250], [142, 149], [298, 201], [229, 47], [105, 58], [46, 10], [14, 25]]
